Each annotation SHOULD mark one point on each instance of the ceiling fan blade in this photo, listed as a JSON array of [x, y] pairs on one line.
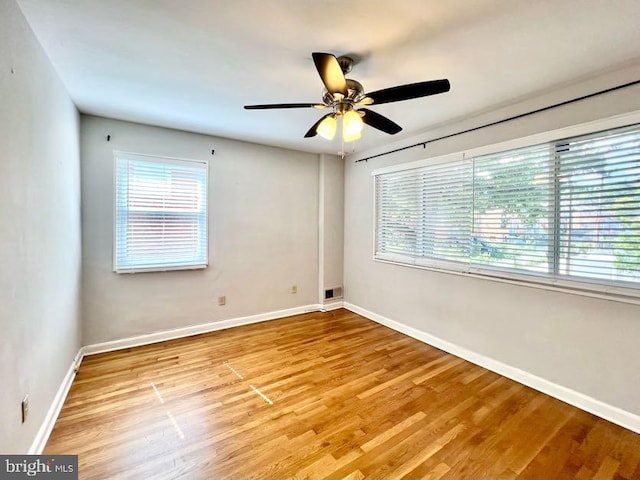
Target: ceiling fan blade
[[313, 130], [380, 122], [409, 91], [284, 105], [330, 72]]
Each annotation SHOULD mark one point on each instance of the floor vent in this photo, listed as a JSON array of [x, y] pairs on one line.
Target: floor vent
[[331, 293]]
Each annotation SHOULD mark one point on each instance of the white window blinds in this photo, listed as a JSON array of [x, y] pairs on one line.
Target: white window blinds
[[160, 214], [564, 211], [513, 195], [423, 215], [599, 206]]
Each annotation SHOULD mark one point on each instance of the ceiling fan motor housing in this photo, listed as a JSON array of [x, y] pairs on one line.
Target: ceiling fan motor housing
[[342, 104], [346, 63]]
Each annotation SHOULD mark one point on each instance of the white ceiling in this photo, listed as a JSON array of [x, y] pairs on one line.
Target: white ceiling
[[193, 64]]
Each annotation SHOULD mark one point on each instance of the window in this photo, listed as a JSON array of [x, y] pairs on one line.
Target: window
[[512, 209], [424, 215], [160, 214], [564, 212]]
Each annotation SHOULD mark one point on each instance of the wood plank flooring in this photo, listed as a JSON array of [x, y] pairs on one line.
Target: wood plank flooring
[[323, 395]]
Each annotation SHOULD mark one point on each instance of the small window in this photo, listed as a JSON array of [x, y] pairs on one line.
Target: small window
[[160, 214]]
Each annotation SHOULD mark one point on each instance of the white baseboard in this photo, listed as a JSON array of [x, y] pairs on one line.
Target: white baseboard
[[193, 330], [614, 414], [54, 410], [335, 305]]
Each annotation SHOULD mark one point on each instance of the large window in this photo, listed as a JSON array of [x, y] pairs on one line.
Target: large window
[[563, 212], [160, 213]]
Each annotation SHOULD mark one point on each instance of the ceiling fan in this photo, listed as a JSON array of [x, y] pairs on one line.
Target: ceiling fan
[[346, 98]]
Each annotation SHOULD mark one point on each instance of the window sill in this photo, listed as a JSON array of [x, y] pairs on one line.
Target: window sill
[[159, 269]]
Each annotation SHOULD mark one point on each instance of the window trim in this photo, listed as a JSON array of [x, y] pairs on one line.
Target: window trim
[[583, 287], [122, 153]]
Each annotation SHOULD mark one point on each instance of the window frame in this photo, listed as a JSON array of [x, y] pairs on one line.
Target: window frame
[[612, 290], [166, 159]]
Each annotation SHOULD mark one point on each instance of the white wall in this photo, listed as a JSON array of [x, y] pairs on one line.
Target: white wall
[[40, 239], [331, 199], [263, 222], [586, 344]]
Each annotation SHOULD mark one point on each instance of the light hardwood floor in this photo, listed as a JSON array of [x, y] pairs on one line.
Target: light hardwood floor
[[323, 395]]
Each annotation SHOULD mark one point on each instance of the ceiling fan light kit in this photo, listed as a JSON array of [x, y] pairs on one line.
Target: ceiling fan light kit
[[327, 127], [346, 97], [351, 126]]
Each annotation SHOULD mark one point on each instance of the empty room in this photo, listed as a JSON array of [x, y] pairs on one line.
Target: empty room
[[316, 239]]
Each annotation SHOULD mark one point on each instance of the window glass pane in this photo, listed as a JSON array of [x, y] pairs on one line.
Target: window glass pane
[[398, 213], [424, 213], [445, 200], [511, 210], [600, 206]]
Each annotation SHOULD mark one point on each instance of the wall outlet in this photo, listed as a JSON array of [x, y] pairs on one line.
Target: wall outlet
[[25, 408], [222, 300], [294, 289]]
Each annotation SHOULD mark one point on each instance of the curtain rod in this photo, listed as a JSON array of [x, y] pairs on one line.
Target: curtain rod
[[515, 117]]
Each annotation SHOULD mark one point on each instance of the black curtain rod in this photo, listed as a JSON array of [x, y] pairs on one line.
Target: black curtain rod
[[515, 117]]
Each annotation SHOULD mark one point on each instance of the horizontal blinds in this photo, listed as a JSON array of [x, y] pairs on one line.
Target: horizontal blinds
[[424, 213], [398, 210], [566, 210], [511, 219], [161, 213], [446, 202], [600, 206]]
